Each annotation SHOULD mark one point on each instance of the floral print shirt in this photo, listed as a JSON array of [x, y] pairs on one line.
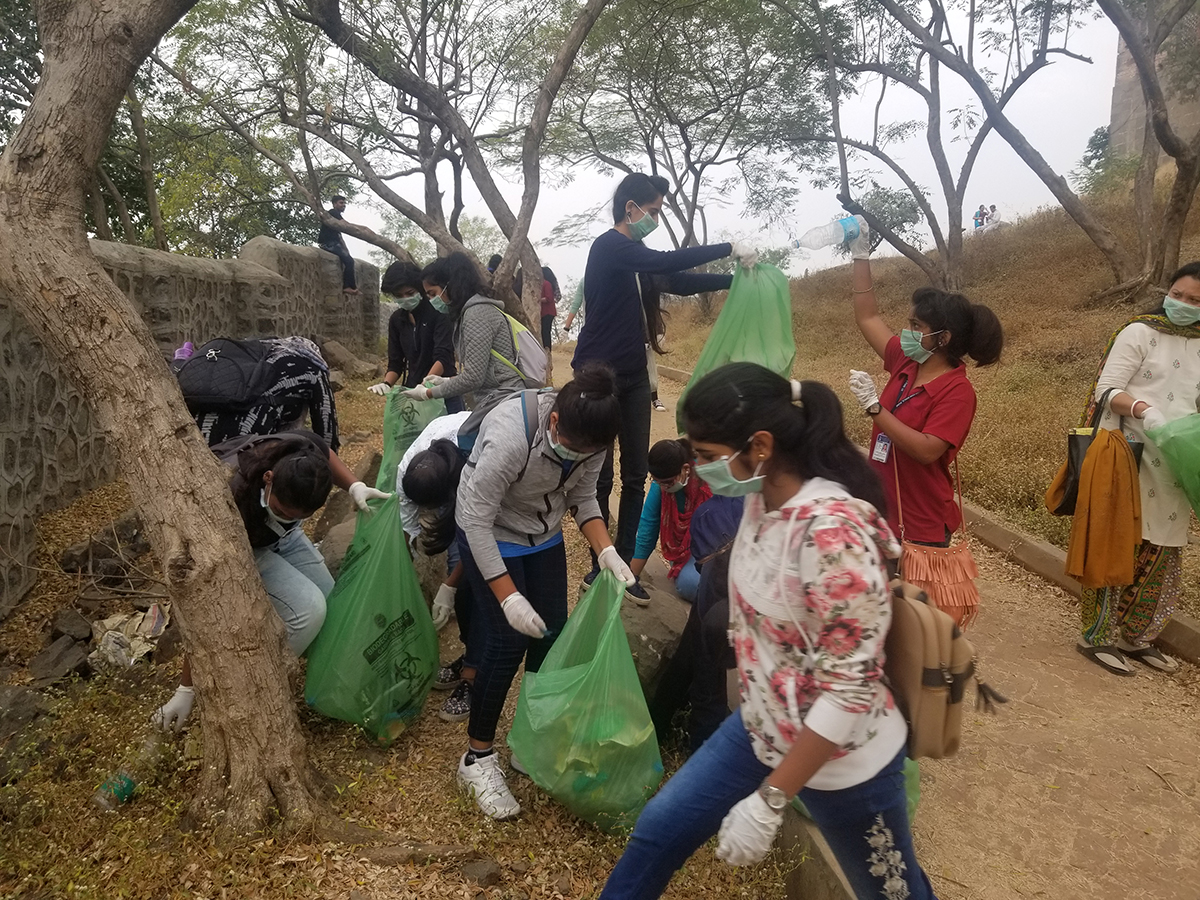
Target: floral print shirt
[[809, 611]]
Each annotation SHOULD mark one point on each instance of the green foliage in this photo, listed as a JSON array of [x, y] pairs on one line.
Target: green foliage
[[1101, 172], [20, 62], [698, 92], [896, 209]]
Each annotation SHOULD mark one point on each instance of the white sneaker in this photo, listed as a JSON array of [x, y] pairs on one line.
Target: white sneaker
[[516, 764], [484, 780]]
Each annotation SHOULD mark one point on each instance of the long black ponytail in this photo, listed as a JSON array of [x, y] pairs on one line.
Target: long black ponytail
[[728, 405]]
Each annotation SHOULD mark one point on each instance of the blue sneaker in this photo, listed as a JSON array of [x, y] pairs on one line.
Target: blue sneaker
[[637, 594]]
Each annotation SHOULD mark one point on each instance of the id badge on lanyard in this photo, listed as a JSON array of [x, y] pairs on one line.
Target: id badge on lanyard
[[882, 449]]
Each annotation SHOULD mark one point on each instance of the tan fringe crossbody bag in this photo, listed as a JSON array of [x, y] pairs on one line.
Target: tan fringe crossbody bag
[[946, 574]]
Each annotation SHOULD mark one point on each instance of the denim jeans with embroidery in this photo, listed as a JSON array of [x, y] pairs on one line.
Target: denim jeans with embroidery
[[866, 825]]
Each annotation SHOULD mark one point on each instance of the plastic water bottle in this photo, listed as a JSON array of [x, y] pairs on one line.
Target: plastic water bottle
[[186, 351], [829, 234], [118, 788]]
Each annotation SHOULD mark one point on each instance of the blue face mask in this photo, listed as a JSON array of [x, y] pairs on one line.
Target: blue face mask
[[721, 480], [1180, 313], [643, 226], [910, 344]]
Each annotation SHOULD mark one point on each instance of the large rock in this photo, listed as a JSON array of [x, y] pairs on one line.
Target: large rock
[[335, 545], [70, 623], [62, 658], [339, 357], [19, 705], [108, 550], [654, 630]]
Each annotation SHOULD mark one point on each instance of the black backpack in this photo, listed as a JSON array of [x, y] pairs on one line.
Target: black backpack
[[225, 374]]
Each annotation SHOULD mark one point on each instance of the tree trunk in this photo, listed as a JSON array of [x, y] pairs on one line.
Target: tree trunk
[[127, 231], [255, 756], [99, 210], [146, 163]]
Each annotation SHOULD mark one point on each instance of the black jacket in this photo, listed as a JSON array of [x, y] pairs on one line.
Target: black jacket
[[417, 340]]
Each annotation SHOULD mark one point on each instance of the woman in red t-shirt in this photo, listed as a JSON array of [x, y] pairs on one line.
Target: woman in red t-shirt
[[925, 412]]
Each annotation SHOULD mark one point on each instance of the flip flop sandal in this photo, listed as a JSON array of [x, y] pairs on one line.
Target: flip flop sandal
[[1150, 656], [1096, 654]]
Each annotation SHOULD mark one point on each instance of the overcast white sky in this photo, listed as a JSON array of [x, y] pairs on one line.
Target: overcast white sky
[[1057, 111]]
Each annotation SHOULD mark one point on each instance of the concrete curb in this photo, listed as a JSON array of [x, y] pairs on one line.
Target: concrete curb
[[681, 375]]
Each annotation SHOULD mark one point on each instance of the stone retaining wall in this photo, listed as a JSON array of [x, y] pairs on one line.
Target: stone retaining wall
[[51, 451]]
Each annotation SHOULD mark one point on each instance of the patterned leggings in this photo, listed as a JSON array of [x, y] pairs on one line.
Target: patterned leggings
[[1137, 612]]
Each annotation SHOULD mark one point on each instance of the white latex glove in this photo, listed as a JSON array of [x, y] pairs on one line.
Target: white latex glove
[[747, 256], [443, 605], [610, 559], [748, 832], [522, 616], [172, 714], [862, 386], [860, 247], [1152, 418], [360, 494], [420, 392], [433, 380], [382, 388]]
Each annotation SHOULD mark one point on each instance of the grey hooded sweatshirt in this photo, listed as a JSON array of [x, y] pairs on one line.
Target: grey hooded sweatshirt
[[482, 328], [517, 493]]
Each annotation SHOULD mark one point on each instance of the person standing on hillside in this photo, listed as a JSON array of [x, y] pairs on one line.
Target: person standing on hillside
[[1152, 365], [330, 240], [621, 319], [925, 412]]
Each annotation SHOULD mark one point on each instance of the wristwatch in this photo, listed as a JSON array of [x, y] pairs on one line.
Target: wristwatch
[[874, 409], [773, 796]]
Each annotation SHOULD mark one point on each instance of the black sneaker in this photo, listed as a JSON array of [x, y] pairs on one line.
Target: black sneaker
[[448, 676], [587, 580], [637, 594], [458, 705]]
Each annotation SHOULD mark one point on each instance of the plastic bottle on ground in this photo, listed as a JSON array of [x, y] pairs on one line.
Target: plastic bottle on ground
[[845, 229], [118, 788]]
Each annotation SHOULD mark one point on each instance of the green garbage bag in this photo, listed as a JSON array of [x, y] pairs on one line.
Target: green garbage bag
[[403, 422], [1179, 443], [755, 325], [582, 728], [374, 660]]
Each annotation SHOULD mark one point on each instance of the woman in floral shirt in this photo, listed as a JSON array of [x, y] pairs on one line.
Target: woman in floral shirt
[[809, 612]]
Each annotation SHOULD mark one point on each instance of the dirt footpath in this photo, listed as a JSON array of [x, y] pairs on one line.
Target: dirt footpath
[[1085, 786]]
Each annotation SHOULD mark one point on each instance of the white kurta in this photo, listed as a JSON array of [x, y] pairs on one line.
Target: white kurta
[[1163, 370]]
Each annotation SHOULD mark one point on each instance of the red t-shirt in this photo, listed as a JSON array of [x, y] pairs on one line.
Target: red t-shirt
[[548, 307], [944, 408]]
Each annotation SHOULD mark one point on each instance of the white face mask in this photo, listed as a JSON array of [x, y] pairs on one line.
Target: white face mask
[[275, 522]]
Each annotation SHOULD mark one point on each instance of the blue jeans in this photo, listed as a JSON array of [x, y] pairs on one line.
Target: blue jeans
[[297, 581], [864, 824], [688, 582]]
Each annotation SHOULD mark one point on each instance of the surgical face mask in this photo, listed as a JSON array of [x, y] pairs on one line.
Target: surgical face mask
[[910, 344], [1180, 313], [675, 486], [275, 522], [438, 303], [643, 226], [565, 453], [410, 302], [721, 480]]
